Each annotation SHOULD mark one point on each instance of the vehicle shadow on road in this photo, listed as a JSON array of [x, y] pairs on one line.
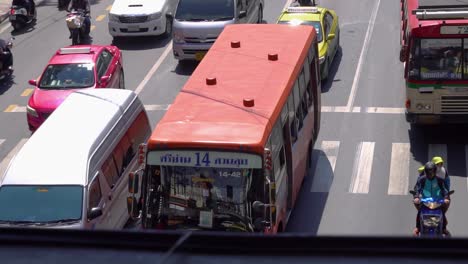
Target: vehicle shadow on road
[[26, 29], [7, 84], [141, 43], [186, 67], [310, 204], [451, 135], [326, 85]]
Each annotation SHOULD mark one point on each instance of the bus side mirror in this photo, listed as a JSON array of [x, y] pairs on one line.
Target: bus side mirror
[[94, 213], [242, 14], [132, 207], [330, 37], [403, 53], [133, 182]]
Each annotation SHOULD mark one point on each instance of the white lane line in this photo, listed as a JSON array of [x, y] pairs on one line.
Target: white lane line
[[157, 107], [6, 161], [334, 109], [154, 68], [325, 168], [385, 110], [1, 141], [5, 27], [362, 168], [399, 173], [364, 51], [438, 150]]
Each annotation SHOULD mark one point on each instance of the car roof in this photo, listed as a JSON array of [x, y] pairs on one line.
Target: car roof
[[58, 152], [82, 57], [307, 16]]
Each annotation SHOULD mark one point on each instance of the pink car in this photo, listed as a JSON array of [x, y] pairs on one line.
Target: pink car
[[70, 69]]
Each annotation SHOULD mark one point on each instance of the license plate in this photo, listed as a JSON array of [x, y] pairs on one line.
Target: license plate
[[12, 17], [199, 55], [133, 28]]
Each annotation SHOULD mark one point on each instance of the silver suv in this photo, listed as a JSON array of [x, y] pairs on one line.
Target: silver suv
[[197, 23]]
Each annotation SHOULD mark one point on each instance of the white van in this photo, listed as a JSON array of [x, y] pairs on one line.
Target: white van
[[141, 17], [198, 23], [73, 171]]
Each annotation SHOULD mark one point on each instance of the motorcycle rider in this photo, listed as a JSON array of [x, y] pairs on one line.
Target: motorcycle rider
[[442, 171], [429, 185], [28, 4], [83, 5]]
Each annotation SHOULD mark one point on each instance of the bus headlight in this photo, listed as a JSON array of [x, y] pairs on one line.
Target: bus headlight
[[31, 111], [421, 106]]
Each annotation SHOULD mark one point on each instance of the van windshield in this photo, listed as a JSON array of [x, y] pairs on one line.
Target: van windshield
[[205, 10], [40, 204]]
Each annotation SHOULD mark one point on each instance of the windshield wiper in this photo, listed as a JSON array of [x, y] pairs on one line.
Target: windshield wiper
[[62, 221], [177, 244], [194, 19], [223, 18]]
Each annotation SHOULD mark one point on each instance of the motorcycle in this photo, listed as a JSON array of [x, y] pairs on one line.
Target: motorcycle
[[19, 16], [431, 216], [8, 71], [77, 26]]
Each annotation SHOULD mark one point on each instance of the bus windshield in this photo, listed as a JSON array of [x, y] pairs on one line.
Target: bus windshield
[[207, 198], [438, 59]]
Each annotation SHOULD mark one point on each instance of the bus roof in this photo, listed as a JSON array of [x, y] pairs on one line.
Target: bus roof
[[214, 116], [59, 151], [415, 23]]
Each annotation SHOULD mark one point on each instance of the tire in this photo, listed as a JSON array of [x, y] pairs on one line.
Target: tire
[[260, 15], [168, 31], [325, 70], [122, 80], [15, 26], [75, 37]]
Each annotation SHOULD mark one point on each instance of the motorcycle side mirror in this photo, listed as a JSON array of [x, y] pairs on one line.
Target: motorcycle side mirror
[[412, 192], [32, 82], [451, 192]]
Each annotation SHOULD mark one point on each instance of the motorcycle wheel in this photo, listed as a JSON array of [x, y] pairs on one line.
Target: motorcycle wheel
[[15, 26], [75, 37]]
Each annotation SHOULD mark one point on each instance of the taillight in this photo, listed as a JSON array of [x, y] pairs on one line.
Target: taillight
[[12, 11], [267, 159], [408, 104]]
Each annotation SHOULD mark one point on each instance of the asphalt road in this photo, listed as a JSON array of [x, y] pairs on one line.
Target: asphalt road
[[367, 155]]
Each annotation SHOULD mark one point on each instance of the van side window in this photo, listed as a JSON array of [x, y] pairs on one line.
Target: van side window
[[95, 194], [138, 131], [120, 154], [110, 172]]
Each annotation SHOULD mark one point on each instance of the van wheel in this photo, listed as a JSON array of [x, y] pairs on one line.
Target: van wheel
[[260, 15], [168, 32], [122, 80]]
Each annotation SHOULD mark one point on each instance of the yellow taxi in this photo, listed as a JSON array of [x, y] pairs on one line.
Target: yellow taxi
[[325, 22]]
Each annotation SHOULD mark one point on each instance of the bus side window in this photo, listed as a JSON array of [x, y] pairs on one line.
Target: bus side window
[[297, 104], [292, 119]]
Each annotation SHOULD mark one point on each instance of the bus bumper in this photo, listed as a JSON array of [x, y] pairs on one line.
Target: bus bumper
[[429, 119]]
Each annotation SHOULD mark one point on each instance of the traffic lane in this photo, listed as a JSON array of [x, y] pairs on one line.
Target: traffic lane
[[354, 17], [382, 81], [139, 53], [383, 205], [13, 129]]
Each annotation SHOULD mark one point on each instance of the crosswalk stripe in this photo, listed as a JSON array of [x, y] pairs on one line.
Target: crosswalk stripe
[[325, 167], [362, 168], [5, 162], [1, 141], [438, 150], [399, 174]]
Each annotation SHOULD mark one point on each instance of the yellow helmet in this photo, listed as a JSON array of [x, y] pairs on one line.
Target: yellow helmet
[[437, 160], [421, 169]]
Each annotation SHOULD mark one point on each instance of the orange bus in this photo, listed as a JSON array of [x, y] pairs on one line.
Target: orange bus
[[232, 151]]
